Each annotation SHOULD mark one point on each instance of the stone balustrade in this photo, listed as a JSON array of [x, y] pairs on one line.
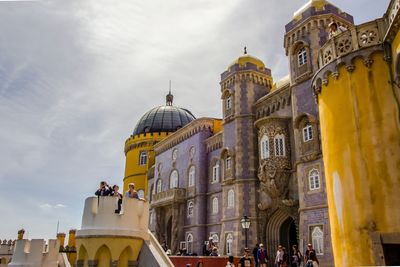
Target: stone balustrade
[[169, 196], [359, 37]]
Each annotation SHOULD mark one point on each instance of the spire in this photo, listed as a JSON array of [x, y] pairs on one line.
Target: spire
[[170, 97], [245, 50]]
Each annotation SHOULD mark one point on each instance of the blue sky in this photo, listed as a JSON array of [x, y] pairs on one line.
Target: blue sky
[[75, 76]]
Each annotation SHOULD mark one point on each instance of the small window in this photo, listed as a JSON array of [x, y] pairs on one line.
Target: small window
[[229, 102], [229, 242], [152, 216], [313, 179], [228, 163], [317, 236], [215, 172], [190, 209], [174, 154], [307, 133], [264, 147], [231, 198], [215, 205], [192, 150], [215, 238], [279, 141], [302, 56], [143, 158], [140, 193], [189, 243], [192, 174], [173, 179], [159, 186]]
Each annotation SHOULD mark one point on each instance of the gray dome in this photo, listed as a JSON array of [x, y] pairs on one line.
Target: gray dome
[[166, 118]]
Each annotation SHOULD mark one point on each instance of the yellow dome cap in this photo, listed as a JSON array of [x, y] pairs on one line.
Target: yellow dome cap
[[318, 4], [246, 58]]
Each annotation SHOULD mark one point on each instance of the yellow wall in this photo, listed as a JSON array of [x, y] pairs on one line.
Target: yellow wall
[[360, 134], [135, 173], [106, 249]]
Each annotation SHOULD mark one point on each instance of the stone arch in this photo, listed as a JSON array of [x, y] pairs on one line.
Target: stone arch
[[83, 256], [273, 230], [3, 260], [125, 257], [103, 256], [299, 119]]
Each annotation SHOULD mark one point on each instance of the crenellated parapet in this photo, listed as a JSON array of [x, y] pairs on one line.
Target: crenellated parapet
[[36, 252], [143, 139], [239, 74], [99, 218]]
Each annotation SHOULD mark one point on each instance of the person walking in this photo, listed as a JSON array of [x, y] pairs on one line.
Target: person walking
[[308, 251], [245, 261], [285, 258], [296, 257], [262, 257], [279, 256], [230, 262], [255, 255], [312, 261]]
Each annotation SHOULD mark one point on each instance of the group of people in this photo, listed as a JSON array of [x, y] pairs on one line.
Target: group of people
[[106, 190], [282, 257]]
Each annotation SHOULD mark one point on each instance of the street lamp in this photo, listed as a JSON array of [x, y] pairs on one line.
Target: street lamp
[[245, 221]]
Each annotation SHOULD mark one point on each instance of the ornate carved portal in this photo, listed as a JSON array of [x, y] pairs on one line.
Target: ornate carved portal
[[275, 206], [168, 223]]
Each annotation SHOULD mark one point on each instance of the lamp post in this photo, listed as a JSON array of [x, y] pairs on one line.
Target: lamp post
[[245, 221]]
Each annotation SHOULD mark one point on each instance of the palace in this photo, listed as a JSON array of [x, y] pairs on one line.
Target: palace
[[311, 158], [264, 158]]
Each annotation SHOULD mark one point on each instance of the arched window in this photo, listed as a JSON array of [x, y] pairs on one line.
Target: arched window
[[192, 175], [143, 158], [231, 198], [264, 147], [215, 174], [174, 154], [190, 209], [192, 150], [317, 236], [229, 102], [215, 205], [229, 243], [307, 133], [215, 239], [228, 163], [140, 193], [189, 243], [152, 215], [159, 186], [279, 141], [313, 179], [173, 179], [302, 56]]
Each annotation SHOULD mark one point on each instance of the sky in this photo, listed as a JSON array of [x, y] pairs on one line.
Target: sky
[[76, 76]]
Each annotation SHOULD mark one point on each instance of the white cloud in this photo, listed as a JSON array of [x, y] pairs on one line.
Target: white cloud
[[75, 76]]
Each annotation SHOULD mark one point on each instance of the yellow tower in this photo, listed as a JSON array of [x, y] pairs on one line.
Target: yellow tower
[[154, 126], [360, 131]]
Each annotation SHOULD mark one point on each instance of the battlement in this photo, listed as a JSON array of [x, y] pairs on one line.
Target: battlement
[[35, 252], [99, 218], [7, 247]]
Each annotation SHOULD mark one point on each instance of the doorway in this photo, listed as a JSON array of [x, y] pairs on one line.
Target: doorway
[[288, 235], [168, 231]]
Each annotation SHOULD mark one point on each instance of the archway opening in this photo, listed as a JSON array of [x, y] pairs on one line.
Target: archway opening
[[288, 235], [125, 257], [103, 256], [82, 256], [168, 231]]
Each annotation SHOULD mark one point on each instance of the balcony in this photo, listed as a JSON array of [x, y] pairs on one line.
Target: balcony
[[171, 196], [365, 35]]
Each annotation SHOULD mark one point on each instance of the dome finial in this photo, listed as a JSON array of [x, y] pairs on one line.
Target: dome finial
[[170, 97], [245, 50]]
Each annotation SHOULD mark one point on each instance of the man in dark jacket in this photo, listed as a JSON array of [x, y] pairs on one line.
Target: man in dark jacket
[[104, 190], [255, 255]]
